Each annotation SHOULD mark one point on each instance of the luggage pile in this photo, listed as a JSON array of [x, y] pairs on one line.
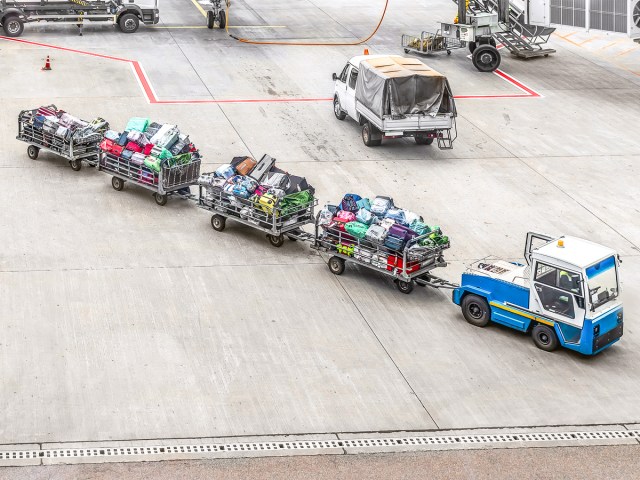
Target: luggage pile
[[380, 233], [259, 189], [258, 194], [150, 146], [64, 126]]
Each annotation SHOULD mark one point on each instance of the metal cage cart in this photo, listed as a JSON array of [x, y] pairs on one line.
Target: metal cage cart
[[408, 267], [277, 221], [169, 181], [428, 43], [75, 147]]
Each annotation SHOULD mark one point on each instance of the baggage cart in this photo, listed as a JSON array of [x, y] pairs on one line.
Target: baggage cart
[[171, 180], [407, 267], [75, 151], [428, 43], [276, 223]]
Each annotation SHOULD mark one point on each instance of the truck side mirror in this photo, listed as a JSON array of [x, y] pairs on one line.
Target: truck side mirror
[[334, 76]]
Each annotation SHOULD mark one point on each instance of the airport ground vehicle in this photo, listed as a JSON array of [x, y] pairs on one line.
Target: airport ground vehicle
[[392, 96], [217, 14], [567, 294], [127, 14]]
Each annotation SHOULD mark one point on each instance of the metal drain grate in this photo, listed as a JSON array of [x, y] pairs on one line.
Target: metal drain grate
[[231, 448]]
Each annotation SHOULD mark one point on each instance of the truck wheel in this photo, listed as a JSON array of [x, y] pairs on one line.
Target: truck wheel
[[472, 47], [423, 140], [336, 265], [367, 135], [13, 26], [129, 23], [544, 338], [337, 109], [486, 58], [476, 310], [223, 19], [33, 152], [211, 19]]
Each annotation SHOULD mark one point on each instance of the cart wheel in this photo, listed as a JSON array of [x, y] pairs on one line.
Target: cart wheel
[[160, 199], [76, 165], [405, 287], [406, 50], [448, 52], [276, 240], [117, 183], [223, 19], [486, 58], [336, 265], [544, 338], [218, 222], [476, 310], [33, 152], [210, 19]]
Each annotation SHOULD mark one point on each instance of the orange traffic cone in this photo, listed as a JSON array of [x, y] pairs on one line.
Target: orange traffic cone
[[47, 64], [366, 51]]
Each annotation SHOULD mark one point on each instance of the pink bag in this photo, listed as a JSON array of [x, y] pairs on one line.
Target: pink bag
[[261, 190], [345, 217]]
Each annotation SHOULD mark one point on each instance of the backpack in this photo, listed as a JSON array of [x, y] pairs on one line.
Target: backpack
[[350, 202]]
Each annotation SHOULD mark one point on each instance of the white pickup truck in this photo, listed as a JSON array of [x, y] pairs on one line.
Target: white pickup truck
[[392, 96]]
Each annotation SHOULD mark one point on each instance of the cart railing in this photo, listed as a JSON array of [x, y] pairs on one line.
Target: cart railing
[[169, 178], [415, 261], [64, 146], [429, 42], [249, 211]]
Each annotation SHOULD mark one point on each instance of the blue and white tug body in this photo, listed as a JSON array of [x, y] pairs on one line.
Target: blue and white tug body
[[568, 294]]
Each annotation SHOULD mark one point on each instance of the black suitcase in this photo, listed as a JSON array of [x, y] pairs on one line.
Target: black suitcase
[[262, 168], [122, 141], [299, 184]]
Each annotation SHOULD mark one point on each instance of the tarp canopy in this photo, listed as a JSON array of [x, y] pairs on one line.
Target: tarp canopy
[[399, 86]]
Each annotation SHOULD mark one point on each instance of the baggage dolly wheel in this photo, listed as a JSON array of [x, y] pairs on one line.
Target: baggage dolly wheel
[[76, 165], [405, 287], [160, 199], [336, 265], [218, 222], [117, 183], [276, 240], [33, 152]]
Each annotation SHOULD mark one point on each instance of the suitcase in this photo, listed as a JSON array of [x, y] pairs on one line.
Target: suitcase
[[386, 223], [376, 234], [250, 184], [350, 202], [364, 203], [38, 122], [261, 169], [363, 255], [224, 171], [106, 145], [276, 180], [345, 217], [357, 229], [122, 141], [246, 166], [126, 154], [266, 203], [394, 243], [394, 262], [152, 129], [116, 149], [134, 147], [403, 232], [63, 133], [138, 158], [48, 111], [112, 135], [147, 148], [397, 215], [240, 191], [381, 205], [153, 163], [411, 217], [299, 184], [237, 160], [420, 228], [276, 192], [261, 190]]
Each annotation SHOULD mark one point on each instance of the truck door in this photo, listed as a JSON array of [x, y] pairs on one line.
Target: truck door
[[534, 240], [557, 293], [341, 85], [350, 94]]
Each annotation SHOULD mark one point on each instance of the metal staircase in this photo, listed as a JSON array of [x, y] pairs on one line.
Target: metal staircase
[[517, 36]]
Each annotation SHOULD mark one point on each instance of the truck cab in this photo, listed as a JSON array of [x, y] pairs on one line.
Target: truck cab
[[567, 293]]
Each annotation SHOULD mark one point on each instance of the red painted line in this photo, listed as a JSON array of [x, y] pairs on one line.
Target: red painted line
[[145, 83]]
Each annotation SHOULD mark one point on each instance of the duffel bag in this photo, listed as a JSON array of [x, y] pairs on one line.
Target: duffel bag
[[183, 159], [250, 184], [147, 148], [99, 124], [357, 229], [365, 216], [63, 132], [137, 123], [419, 227], [161, 153], [350, 202], [295, 201], [364, 203], [49, 110], [345, 216]]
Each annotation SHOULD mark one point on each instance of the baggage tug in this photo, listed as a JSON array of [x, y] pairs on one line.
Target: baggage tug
[[567, 294]]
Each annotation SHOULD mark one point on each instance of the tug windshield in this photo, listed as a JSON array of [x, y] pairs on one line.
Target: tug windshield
[[602, 278]]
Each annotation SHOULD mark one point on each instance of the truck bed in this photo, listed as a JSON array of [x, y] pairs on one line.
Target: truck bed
[[410, 123]]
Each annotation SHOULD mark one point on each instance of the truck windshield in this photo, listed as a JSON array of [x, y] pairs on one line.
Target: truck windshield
[[603, 282]]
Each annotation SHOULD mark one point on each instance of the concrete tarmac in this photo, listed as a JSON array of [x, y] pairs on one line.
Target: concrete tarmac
[[123, 320]]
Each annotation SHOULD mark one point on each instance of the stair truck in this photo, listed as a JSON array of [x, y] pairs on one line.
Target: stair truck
[[567, 294], [127, 14], [392, 96]]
